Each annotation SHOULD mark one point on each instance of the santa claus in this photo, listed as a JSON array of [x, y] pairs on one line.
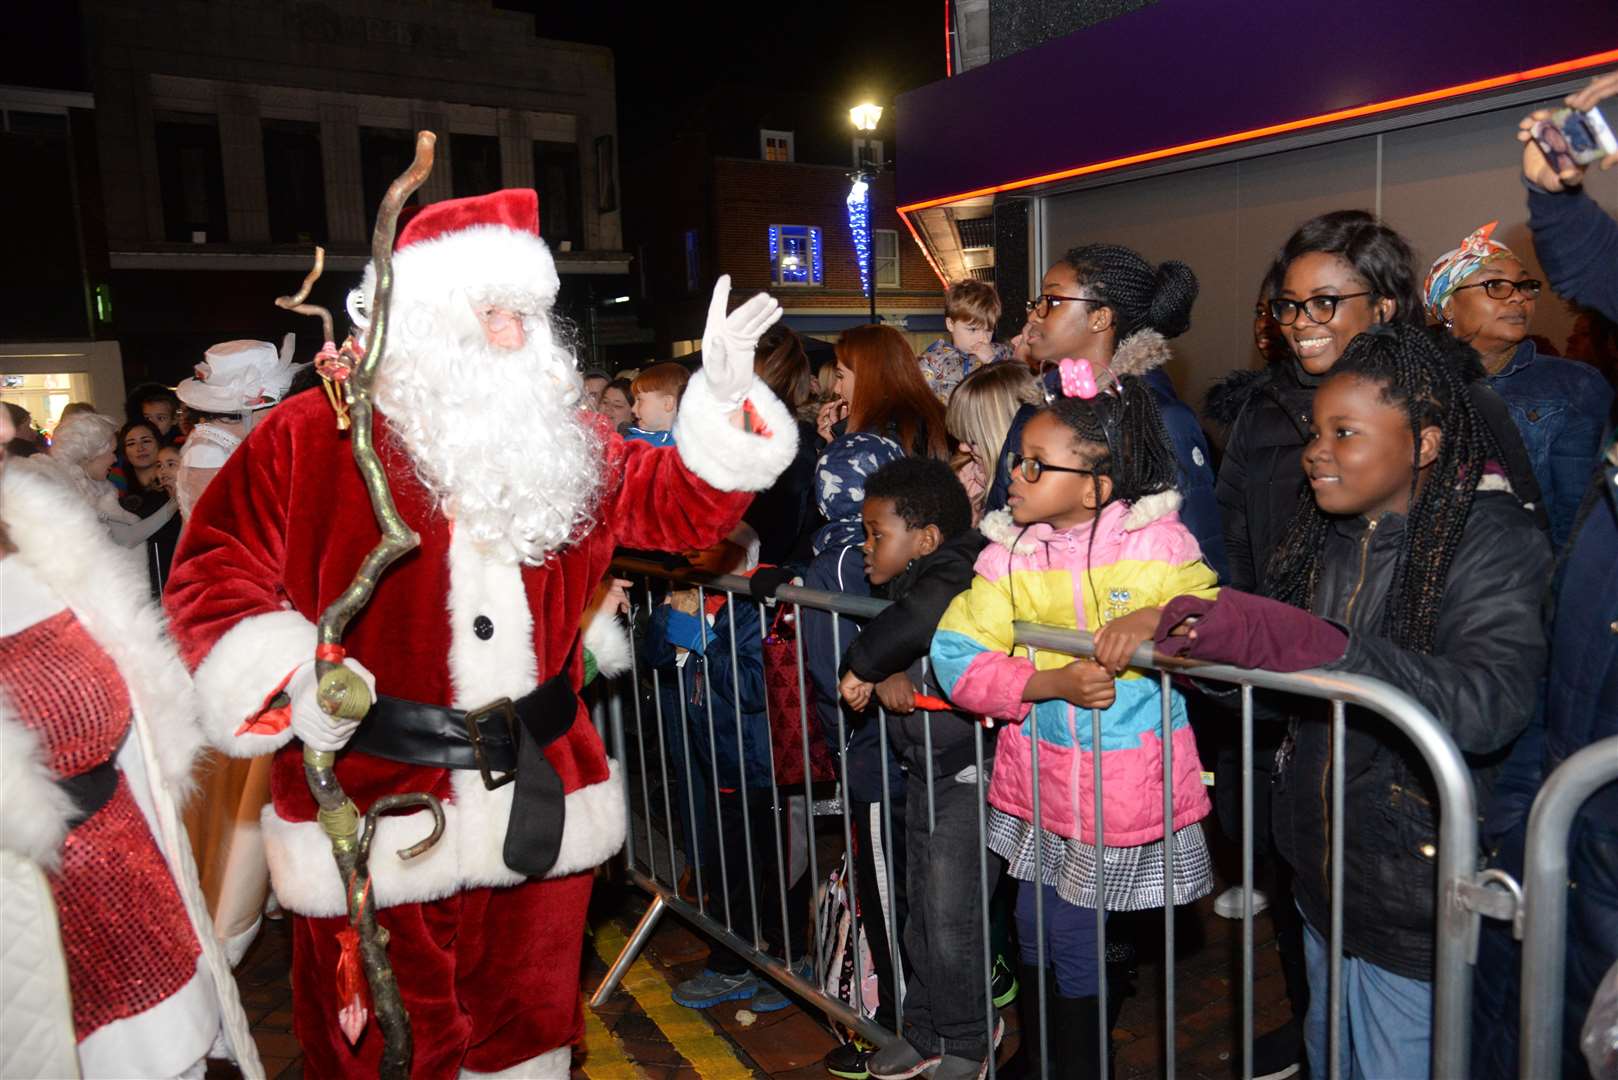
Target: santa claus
[[519, 497]]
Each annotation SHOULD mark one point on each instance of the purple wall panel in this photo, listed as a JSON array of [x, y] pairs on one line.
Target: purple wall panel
[[1184, 70]]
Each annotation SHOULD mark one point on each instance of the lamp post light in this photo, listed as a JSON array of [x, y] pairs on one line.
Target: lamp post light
[[865, 117]]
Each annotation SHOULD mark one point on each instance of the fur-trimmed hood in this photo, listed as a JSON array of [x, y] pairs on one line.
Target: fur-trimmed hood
[[1140, 352], [1227, 398], [58, 537], [1020, 540]]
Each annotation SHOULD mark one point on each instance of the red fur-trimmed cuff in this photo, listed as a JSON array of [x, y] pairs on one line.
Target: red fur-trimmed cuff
[[724, 456], [242, 672]]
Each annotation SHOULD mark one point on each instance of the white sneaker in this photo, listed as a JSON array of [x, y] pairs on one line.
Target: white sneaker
[[1228, 904]]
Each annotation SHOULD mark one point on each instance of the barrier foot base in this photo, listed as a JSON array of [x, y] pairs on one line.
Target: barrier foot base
[[632, 948]]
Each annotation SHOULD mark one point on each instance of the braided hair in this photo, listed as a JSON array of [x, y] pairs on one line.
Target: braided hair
[[1428, 375], [1139, 456], [1141, 297]]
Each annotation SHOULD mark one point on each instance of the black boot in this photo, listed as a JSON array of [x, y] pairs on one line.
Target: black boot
[[1024, 1064], [1076, 1040]]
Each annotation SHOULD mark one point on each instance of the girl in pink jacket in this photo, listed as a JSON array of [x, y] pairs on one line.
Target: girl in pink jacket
[[1091, 540]]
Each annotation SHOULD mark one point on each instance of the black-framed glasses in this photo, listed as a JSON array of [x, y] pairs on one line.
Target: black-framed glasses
[[1502, 288], [1033, 468], [1320, 309], [1042, 304]]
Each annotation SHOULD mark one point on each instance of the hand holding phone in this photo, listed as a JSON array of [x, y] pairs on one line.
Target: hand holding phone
[[1559, 144]]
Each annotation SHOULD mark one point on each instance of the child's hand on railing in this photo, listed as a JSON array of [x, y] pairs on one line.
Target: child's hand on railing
[[897, 694], [856, 691], [1117, 641], [1086, 684]]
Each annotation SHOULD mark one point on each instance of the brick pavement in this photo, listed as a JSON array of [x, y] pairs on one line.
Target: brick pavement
[[789, 1044]]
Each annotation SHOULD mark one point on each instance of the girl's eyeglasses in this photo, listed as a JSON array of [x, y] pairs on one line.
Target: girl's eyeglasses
[[1042, 304], [1501, 288], [1033, 468], [1320, 309]]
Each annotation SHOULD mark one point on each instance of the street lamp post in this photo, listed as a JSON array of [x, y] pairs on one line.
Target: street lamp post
[[865, 117]]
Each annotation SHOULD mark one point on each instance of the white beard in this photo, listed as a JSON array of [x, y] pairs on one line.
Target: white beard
[[497, 436]]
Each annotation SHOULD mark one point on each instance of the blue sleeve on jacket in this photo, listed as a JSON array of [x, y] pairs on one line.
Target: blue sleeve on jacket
[[1577, 244], [1200, 509]]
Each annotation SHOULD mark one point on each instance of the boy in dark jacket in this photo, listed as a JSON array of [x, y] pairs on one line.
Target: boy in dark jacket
[[920, 548]]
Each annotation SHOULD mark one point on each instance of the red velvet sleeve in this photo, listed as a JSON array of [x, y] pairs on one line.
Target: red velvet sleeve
[[227, 608], [661, 505]]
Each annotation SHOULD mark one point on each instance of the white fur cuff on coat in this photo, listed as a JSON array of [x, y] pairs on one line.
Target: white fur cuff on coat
[[468, 855], [34, 811], [726, 457], [242, 669], [608, 642]]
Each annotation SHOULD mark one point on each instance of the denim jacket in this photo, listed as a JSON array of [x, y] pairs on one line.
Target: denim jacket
[[1560, 406]]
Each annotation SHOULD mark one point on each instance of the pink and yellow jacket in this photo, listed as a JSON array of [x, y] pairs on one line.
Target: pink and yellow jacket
[[1142, 557]]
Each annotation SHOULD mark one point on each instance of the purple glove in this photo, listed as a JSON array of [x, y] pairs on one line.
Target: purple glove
[[1250, 631]]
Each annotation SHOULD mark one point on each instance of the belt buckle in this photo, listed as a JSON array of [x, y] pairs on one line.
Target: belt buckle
[[490, 781]]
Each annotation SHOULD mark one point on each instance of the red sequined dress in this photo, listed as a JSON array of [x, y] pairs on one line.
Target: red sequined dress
[[128, 942]]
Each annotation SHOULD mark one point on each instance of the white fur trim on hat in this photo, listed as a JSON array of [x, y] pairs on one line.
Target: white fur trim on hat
[[726, 457], [438, 279], [468, 855]]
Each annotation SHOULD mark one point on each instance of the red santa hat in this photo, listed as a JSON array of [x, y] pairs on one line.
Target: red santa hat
[[485, 245]]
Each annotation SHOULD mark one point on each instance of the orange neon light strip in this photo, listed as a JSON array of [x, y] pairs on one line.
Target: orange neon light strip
[[1563, 68]]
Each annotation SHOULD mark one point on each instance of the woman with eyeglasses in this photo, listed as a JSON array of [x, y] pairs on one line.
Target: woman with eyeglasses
[[1482, 295], [1106, 304]]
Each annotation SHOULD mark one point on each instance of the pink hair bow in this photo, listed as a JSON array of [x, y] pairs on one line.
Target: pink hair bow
[[1078, 379]]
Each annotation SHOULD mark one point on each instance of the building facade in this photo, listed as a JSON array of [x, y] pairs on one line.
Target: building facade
[[764, 197], [232, 136]]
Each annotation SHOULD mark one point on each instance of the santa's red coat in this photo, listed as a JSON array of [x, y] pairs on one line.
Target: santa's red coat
[[279, 534]]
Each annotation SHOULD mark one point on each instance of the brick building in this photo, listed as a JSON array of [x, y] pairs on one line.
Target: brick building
[[233, 136], [762, 196]]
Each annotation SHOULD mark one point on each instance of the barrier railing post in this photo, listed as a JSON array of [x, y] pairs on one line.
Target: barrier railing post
[[1545, 873], [1247, 881], [1166, 693]]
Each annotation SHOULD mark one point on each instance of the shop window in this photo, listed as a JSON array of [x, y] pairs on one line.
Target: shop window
[[556, 178], [775, 145], [191, 174], [474, 162], [885, 252]]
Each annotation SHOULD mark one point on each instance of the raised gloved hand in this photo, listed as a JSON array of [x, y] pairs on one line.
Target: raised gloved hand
[[313, 724], [728, 342]]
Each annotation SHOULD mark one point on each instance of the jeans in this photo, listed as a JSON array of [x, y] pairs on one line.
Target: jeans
[[1070, 941], [944, 1004], [870, 881], [1387, 1018]]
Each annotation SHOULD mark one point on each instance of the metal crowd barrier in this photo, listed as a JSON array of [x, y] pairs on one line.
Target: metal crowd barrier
[[1543, 904], [653, 862]]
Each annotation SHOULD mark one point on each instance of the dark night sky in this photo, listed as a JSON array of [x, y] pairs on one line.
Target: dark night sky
[[842, 50], [666, 53]]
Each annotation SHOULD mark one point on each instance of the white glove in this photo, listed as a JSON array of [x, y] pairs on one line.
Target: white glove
[[728, 342], [314, 725]]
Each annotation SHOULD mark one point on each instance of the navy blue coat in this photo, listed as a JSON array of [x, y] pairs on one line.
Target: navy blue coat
[[1581, 707]]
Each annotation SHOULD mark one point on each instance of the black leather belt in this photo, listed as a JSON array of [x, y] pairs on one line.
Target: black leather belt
[[90, 790], [485, 738], [505, 741]]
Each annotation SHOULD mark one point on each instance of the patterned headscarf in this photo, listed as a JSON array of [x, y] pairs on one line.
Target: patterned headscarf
[[1454, 267]]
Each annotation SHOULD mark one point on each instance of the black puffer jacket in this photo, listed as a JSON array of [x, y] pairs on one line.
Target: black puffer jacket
[[899, 639], [1480, 682], [1261, 478]]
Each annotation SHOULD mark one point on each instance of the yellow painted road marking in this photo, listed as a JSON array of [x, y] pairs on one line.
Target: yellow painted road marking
[[711, 1056], [604, 1059]]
